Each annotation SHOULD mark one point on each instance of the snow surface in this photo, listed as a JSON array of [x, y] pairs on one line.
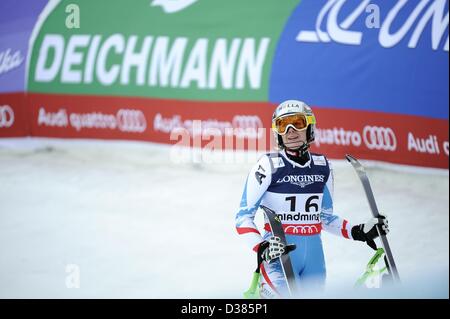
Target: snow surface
[[138, 223]]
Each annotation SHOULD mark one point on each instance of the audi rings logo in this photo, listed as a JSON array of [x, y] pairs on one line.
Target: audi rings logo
[[247, 121], [248, 125], [380, 138], [301, 229], [131, 121], [6, 116]]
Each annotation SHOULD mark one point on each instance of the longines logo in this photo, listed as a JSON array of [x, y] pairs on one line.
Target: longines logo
[[302, 180]]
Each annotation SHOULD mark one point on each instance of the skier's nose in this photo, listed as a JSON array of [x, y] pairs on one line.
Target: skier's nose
[[290, 130]]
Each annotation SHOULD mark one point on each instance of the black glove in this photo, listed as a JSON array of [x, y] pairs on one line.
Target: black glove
[[368, 232], [273, 248]]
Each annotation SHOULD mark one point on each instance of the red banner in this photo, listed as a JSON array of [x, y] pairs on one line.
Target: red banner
[[190, 123], [13, 117], [394, 138]]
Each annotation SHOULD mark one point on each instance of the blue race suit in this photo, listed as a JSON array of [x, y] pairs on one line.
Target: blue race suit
[[302, 197]]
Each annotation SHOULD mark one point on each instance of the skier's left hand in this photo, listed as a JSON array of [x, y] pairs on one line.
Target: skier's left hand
[[367, 232]]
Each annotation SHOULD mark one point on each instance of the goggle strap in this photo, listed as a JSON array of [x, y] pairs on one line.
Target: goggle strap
[[310, 119]]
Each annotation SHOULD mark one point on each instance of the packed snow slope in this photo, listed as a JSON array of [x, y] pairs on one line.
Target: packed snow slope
[[99, 219]]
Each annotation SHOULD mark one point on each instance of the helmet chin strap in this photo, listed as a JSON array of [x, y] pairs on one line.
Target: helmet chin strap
[[300, 151]]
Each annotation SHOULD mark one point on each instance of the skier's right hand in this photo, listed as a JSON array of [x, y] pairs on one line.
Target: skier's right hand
[[273, 248]]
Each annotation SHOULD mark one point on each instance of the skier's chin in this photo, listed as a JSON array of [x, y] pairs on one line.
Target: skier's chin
[[293, 146]]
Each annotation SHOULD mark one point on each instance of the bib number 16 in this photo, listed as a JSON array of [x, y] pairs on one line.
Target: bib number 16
[[310, 203]]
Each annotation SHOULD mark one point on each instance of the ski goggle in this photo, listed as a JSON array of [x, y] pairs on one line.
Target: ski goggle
[[297, 121]]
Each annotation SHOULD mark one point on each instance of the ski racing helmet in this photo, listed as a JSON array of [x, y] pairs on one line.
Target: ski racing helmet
[[295, 114]]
